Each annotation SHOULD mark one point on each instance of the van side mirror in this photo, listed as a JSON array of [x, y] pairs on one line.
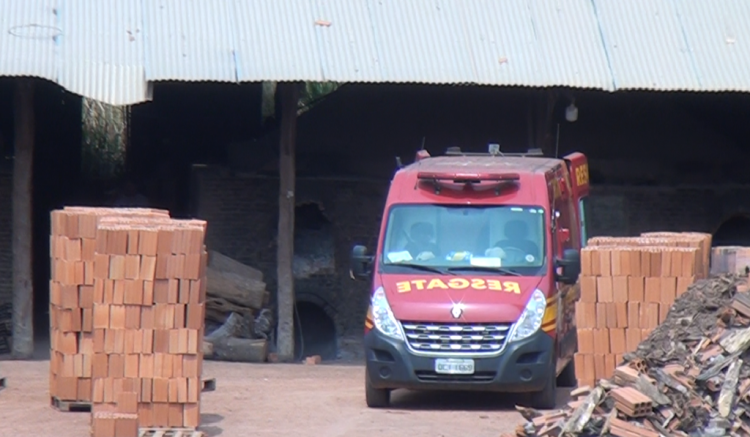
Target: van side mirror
[[361, 263], [568, 268]]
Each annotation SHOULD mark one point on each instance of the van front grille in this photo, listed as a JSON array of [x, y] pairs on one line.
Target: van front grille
[[456, 337]]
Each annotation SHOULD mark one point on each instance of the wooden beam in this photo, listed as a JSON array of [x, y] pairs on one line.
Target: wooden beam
[[23, 159], [544, 106], [289, 96]]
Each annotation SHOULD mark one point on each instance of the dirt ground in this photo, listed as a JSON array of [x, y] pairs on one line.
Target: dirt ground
[[275, 400]]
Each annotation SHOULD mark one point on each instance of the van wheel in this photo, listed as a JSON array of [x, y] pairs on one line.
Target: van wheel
[[547, 398], [568, 376], [376, 397]]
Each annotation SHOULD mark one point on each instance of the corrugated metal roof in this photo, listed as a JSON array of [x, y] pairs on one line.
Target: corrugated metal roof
[[189, 40], [685, 45], [27, 38], [276, 40], [101, 50], [112, 50], [718, 35]]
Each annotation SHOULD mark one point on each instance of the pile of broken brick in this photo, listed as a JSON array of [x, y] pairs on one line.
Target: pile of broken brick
[[690, 377]]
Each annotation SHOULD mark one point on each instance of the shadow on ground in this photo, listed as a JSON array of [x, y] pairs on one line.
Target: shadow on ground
[[208, 422], [403, 401]]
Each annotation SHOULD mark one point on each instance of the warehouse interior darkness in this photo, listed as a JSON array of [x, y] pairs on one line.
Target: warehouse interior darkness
[[650, 166], [315, 330], [735, 231]]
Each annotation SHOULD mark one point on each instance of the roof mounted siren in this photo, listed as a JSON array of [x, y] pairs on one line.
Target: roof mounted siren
[[421, 154], [494, 149]]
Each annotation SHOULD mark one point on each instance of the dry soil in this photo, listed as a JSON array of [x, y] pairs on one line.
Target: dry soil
[[276, 400]]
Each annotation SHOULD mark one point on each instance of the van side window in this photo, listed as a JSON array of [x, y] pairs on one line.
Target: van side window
[[583, 209]]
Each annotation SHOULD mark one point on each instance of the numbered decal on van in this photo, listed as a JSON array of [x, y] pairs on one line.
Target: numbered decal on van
[[582, 175]]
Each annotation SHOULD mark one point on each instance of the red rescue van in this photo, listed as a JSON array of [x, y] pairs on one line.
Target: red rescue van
[[474, 277]]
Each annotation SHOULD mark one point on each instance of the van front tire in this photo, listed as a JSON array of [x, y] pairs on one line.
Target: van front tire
[[376, 397], [547, 398]]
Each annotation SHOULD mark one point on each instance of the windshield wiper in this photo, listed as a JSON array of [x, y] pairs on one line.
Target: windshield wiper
[[425, 268], [486, 269]]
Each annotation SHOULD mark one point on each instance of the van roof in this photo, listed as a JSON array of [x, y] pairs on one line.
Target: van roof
[[479, 164]]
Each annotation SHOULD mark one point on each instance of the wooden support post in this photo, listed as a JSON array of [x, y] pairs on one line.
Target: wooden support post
[[289, 96], [23, 290], [544, 105]]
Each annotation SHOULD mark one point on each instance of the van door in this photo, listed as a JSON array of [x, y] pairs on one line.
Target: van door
[[566, 217], [578, 178]]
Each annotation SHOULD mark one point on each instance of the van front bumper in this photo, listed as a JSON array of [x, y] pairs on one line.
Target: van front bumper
[[523, 366]]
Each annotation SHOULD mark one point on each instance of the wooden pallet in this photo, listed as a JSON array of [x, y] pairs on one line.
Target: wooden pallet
[[70, 406], [169, 432], [209, 385]]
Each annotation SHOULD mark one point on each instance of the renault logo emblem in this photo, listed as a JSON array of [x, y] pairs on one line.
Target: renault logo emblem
[[457, 310]]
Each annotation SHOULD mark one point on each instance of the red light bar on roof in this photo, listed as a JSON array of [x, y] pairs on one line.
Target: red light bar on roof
[[468, 177]]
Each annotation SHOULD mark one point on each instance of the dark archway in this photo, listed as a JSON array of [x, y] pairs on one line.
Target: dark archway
[[313, 242], [735, 231], [318, 332]]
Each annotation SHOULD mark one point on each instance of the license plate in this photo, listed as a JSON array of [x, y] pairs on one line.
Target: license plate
[[454, 366]]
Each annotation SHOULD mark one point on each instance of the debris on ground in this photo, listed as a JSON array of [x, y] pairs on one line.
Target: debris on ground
[[313, 360], [689, 377]]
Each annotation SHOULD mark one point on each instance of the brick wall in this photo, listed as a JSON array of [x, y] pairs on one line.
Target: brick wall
[[6, 245], [623, 210], [242, 216], [242, 213]]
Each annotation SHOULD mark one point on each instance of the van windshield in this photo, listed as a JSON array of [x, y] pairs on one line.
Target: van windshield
[[490, 238]]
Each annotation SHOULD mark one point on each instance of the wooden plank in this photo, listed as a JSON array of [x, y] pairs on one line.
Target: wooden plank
[[70, 406], [236, 289], [224, 263], [241, 350], [169, 432], [23, 160], [289, 93], [209, 384], [741, 303]]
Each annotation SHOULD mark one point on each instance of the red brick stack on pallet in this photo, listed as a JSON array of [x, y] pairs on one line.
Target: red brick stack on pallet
[[72, 250], [127, 317], [149, 307], [730, 259], [628, 286]]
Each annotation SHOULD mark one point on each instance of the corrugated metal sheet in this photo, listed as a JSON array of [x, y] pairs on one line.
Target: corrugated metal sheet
[[276, 40], [570, 42], [28, 30], [485, 42], [677, 45], [102, 50], [112, 50], [718, 34], [646, 46], [189, 40]]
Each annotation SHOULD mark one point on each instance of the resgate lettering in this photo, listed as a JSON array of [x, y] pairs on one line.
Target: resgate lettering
[[458, 284]]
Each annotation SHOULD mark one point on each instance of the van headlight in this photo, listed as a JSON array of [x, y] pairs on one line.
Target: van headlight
[[531, 318], [383, 317]]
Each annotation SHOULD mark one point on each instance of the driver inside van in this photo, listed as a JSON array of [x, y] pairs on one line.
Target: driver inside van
[[420, 244], [516, 244]]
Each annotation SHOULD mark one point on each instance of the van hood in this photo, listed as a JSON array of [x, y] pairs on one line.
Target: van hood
[[483, 299]]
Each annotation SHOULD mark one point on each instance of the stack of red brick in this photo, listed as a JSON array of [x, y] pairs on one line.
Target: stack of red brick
[[146, 305], [628, 286], [72, 252]]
